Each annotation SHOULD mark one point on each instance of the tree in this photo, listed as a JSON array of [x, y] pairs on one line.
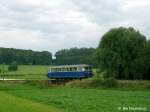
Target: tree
[[146, 55], [13, 67], [118, 52], [142, 68]]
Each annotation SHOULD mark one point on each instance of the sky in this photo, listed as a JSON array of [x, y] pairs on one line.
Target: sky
[[51, 25]]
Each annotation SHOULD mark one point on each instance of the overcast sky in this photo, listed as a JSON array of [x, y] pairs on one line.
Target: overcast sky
[[56, 24]]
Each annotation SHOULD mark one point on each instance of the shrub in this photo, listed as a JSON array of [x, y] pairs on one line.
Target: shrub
[[78, 83], [13, 67], [110, 82], [96, 83]]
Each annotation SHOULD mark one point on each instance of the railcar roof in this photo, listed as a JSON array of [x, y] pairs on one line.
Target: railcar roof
[[67, 66]]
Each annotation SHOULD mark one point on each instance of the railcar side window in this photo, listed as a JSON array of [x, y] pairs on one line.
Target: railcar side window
[[83, 69], [79, 69], [70, 68], [74, 69]]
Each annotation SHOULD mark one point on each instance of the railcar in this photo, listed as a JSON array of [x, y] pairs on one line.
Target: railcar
[[70, 72]]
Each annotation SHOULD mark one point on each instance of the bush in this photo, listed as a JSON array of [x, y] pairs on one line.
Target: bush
[[110, 82], [78, 83], [96, 83], [13, 67]]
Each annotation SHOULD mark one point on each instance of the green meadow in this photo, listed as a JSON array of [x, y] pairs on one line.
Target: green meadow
[[28, 72], [11, 103], [30, 97], [66, 99]]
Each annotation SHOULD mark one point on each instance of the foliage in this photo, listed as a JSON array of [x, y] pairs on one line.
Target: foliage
[[142, 68], [75, 56], [110, 82], [121, 53], [94, 83], [9, 55], [65, 56], [13, 67], [37, 83]]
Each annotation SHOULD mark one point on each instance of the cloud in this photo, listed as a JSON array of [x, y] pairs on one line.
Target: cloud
[[52, 25], [108, 13]]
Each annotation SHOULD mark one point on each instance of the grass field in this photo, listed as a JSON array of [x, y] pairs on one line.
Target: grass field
[[9, 103], [28, 98], [79, 100], [29, 72]]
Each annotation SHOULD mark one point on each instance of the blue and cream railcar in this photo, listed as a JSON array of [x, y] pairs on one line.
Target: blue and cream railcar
[[70, 72]]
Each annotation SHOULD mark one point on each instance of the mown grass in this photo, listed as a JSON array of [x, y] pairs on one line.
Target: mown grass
[[29, 72], [81, 100], [9, 103]]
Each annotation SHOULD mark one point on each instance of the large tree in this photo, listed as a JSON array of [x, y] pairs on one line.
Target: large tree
[[118, 52], [146, 58], [142, 68]]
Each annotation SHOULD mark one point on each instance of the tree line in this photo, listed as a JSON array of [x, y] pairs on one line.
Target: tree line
[[63, 57], [10, 55], [75, 56]]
